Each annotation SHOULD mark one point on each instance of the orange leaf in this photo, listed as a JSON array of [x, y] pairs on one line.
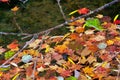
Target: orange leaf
[[93, 48], [88, 70], [13, 45], [74, 36], [61, 48], [79, 29]]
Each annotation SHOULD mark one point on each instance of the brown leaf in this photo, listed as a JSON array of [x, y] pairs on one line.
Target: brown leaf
[[85, 52], [91, 59]]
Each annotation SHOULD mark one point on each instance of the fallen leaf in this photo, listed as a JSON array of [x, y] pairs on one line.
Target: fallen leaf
[[16, 8], [4, 1], [95, 23], [83, 11], [85, 52], [61, 49], [79, 29], [91, 59], [13, 45]]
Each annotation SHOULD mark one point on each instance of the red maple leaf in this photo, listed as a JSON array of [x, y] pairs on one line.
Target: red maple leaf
[[117, 22], [13, 45], [4, 1], [83, 11]]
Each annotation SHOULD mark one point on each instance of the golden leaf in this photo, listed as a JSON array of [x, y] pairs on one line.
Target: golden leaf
[[16, 8]]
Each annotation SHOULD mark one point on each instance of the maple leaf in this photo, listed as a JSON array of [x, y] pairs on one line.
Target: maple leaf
[[56, 56], [4, 1], [83, 11], [79, 29], [29, 71], [16, 8], [65, 73], [61, 49], [74, 36], [14, 45], [91, 59], [88, 70]]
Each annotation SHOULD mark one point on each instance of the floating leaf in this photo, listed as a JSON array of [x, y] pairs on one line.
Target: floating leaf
[[73, 12], [83, 11], [99, 16], [115, 18], [4, 1], [16, 8], [95, 23], [9, 54]]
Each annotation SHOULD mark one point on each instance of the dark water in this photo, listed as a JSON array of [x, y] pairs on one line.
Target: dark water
[[39, 15]]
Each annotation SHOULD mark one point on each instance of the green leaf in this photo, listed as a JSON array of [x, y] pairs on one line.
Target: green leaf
[[71, 78], [5, 68], [9, 54], [95, 23]]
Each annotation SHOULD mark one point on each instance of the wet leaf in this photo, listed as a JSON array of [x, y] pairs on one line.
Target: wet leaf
[[83, 11], [95, 23], [9, 54]]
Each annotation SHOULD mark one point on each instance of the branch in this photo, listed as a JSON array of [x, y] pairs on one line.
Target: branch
[[27, 43], [39, 49], [15, 21], [65, 23], [61, 10], [18, 34]]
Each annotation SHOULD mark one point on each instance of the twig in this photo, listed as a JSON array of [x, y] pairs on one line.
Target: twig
[[65, 23], [27, 43], [18, 34], [118, 72], [17, 25], [35, 62], [61, 10]]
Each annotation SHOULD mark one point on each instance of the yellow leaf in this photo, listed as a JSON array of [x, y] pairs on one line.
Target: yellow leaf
[[110, 42], [118, 38], [1, 73], [99, 16], [14, 78], [16, 8], [72, 28], [70, 60], [47, 48], [73, 12], [104, 64], [65, 36], [116, 17], [88, 70]]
